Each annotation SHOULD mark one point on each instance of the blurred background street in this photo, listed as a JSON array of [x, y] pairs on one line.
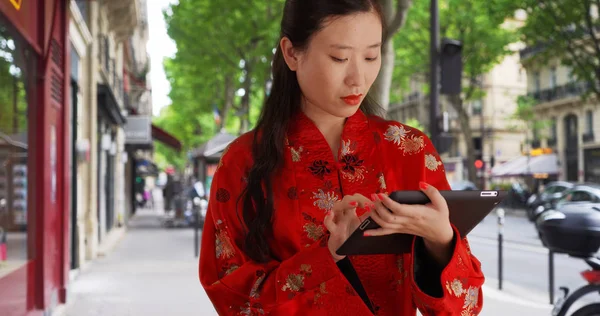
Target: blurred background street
[[114, 115]]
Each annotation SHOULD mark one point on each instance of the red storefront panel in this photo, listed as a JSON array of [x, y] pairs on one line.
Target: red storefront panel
[[39, 284]]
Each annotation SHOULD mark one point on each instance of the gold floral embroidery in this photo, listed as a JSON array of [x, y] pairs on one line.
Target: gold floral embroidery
[[408, 144], [357, 175], [382, 184], [296, 153], [253, 309], [431, 162], [467, 245], [320, 292], [295, 282], [412, 144], [314, 231], [347, 147], [456, 288], [324, 200], [471, 299], [403, 272], [224, 247], [395, 134], [254, 293], [231, 269]]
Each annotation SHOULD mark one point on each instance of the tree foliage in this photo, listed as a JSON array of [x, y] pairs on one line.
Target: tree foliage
[[481, 26], [566, 31], [224, 50]]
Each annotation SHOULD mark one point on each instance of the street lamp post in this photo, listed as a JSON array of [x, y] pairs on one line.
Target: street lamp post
[[434, 76]]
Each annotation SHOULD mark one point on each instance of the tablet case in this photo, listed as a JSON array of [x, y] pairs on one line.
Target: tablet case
[[467, 209]]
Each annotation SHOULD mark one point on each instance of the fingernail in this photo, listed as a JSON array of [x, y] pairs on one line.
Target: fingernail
[[366, 234], [353, 203], [369, 206], [423, 185], [374, 197], [381, 196]]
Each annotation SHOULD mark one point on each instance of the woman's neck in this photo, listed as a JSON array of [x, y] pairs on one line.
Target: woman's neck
[[330, 126]]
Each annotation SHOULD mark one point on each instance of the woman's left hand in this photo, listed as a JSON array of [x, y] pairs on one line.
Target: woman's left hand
[[430, 221]]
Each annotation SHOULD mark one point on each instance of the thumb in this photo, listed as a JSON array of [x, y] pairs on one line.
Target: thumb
[[328, 221]]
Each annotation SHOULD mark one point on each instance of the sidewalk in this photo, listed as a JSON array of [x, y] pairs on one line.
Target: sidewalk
[[152, 271]]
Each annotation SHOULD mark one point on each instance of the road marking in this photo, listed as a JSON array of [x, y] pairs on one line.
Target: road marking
[[508, 245]]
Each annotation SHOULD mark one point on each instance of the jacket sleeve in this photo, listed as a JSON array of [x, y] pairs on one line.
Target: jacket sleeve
[[235, 284], [456, 288]]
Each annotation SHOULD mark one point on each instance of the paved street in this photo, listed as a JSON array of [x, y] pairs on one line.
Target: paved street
[[525, 260], [152, 271]]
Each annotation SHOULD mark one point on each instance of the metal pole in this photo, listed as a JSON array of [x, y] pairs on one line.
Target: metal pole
[[434, 75], [551, 275], [500, 213], [196, 241]]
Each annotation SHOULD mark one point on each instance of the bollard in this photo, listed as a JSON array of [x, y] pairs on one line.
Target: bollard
[[197, 220], [500, 213], [3, 250], [551, 275]]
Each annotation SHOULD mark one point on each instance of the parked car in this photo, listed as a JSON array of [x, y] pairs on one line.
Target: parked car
[[551, 193], [463, 186], [578, 195]]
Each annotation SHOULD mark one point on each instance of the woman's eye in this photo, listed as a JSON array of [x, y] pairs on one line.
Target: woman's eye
[[338, 60], [372, 59]]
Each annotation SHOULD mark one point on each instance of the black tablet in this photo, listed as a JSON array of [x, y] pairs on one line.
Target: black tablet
[[467, 209]]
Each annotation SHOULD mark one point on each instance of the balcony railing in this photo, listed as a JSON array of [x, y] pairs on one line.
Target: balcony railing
[[113, 76], [588, 137], [572, 89]]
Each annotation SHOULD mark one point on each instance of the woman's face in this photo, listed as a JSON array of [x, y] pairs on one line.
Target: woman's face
[[339, 66]]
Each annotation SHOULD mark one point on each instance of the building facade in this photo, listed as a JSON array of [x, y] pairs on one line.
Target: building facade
[[573, 120], [496, 136], [34, 155]]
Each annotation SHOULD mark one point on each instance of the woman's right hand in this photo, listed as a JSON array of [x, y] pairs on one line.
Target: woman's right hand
[[342, 220]]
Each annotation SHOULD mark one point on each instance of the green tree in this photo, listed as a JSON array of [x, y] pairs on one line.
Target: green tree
[[395, 12], [526, 115], [224, 50], [481, 27], [565, 31]]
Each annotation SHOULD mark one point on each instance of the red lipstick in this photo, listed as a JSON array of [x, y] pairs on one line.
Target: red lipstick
[[353, 99]]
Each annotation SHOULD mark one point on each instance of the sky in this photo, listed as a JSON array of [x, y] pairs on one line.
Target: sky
[[159, 46]]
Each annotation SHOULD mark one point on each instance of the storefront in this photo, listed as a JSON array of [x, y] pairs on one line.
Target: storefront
[[591, 158], [34, 210]]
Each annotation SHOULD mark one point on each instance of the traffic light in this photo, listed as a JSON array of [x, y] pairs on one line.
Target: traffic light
[[451, 66]]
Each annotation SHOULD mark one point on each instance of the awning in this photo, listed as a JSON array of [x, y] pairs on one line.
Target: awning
[[108, 105], [162, 136], [213, 148], [527, 166]]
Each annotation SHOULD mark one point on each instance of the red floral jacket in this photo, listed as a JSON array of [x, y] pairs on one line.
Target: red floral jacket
[[302, 278]]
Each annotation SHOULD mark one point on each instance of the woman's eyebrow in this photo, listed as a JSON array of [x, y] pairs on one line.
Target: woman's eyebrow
[[341, 46]]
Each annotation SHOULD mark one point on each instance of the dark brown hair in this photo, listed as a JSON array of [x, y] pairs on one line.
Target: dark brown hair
[[301, 20]]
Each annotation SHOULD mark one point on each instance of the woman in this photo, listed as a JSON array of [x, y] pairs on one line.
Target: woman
[[287, 195]]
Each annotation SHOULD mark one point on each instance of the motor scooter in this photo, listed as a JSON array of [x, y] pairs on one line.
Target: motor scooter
[[568, 299]]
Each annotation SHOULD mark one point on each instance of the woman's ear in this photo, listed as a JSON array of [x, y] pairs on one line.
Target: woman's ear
[[289, 53]]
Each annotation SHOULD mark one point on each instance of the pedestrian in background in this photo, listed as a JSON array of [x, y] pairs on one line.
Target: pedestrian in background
[[289, 193]]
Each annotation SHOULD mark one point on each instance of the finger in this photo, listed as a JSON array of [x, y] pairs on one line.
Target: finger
[[382, 222], [383, 212], [356, 200], [380, 232], [436, 198], [329, 223], [405, 210]]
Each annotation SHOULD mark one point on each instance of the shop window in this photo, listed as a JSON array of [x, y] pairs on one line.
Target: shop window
[[16, 66]]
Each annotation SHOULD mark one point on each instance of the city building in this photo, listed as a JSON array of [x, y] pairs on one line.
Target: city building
[[574, 121], [496, 136]]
